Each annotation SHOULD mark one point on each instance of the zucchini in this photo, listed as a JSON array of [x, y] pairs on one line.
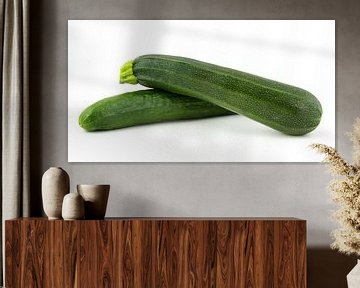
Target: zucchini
[[286, 108], [144, 107]]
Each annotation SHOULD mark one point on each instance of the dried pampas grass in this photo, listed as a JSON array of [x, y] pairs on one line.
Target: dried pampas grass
[[345, 192], [355, 138]]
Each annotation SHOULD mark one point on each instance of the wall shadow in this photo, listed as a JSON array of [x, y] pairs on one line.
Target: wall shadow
[[328, 268], [35, 95]]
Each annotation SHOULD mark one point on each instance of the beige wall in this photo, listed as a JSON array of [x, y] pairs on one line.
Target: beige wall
[[297, 190]]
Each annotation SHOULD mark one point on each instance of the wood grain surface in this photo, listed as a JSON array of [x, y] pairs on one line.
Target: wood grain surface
[[233, 252]]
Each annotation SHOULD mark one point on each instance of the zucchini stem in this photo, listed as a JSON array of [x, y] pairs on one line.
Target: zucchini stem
[[127, 73]]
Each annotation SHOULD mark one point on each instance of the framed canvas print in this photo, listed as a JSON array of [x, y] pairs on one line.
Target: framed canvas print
[[200, 91]]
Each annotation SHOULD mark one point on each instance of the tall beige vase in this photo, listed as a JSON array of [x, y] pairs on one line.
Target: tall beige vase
[[55, 185], [353, 278]]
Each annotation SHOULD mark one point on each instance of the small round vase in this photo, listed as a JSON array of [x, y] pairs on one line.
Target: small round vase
[[55, 185], [96, 198], [73, 207]]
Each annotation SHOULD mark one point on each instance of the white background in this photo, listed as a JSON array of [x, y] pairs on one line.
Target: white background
[[300, 53]]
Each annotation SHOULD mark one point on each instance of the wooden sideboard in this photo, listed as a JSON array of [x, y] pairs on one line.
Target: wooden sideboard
[[156, 252]]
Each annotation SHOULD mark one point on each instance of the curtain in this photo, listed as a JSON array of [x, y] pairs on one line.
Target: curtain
[[14, 27]]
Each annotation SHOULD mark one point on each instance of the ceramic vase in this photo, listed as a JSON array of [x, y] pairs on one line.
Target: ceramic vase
[[96, 198], [73, 207], [353, 278], [55, 185]]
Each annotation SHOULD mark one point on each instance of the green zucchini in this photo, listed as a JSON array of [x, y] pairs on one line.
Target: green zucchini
[[144, 107], [286, 108]]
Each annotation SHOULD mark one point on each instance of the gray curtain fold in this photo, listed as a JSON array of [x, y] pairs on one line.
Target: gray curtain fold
[[15, 111]]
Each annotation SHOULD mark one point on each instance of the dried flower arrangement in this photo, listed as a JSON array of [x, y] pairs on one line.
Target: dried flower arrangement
[[345, 191]]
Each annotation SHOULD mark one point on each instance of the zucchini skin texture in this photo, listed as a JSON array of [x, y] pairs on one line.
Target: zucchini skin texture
[[145, 107], [288, 109]]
